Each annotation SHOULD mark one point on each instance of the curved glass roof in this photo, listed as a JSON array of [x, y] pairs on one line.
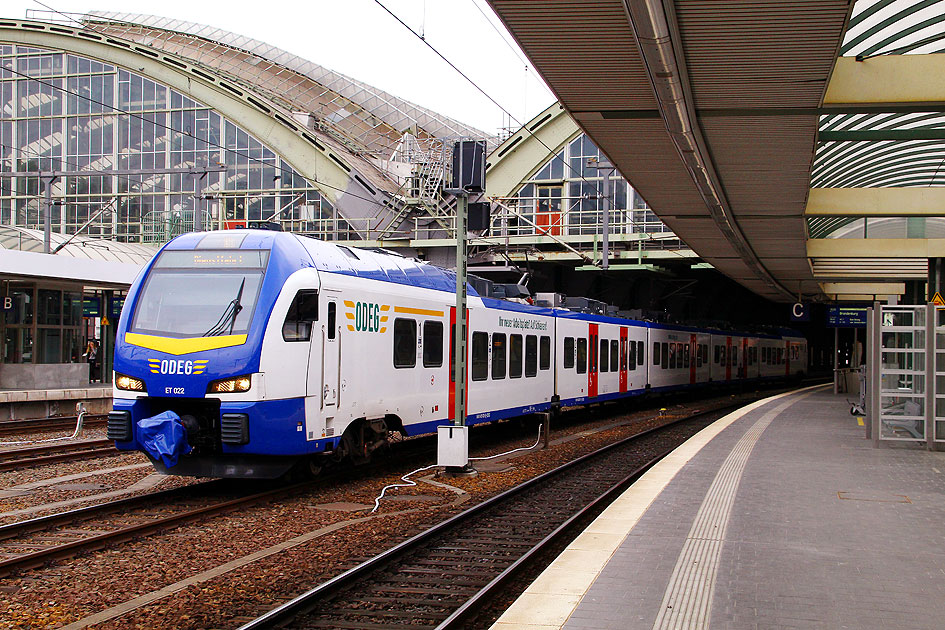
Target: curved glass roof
[[896, 148], [27, 240], [377, 105]]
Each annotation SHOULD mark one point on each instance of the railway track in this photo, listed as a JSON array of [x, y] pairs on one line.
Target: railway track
[[36, 542], [19, 458], [33, 543], [444, 577], [45, 425]]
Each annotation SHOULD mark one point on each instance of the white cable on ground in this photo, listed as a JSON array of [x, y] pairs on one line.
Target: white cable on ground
[[78, 429], [408, 483], [516, 450]]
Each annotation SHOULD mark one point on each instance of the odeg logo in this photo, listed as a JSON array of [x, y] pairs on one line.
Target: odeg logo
[[179, 367]]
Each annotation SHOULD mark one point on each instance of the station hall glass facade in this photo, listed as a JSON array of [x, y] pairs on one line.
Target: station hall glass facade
[[60, 111], [564, 197]]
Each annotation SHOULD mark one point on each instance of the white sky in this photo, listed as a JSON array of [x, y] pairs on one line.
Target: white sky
[[359, 39]]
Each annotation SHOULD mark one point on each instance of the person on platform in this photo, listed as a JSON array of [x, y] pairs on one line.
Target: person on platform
[[91, 355]]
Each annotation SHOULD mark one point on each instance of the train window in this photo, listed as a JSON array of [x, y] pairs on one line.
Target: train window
[[302, 313], [640, 358], [672, 356], [698, 357], [515, 356], [705, 353], [432, 344], [581, 355], [332, 318], [531, 355], [614, 356], [632, 359], [544, 353], [604, 355], [498, 356], [568, 353], [686, 355], [656, 353], [480, 356], [664, 360], [405, 342]]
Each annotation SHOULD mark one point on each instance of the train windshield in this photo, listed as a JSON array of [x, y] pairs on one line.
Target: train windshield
[[200, 293]]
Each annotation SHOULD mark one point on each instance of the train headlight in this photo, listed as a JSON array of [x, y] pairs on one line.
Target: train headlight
[[129, 383], [230, 385]]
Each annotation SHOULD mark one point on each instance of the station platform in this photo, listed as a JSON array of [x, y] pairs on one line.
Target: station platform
[[780, 515], [24, 404]]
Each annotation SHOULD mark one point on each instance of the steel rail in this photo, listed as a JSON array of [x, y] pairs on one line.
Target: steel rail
[[65, 451], [58, 552], [21, 528], [307, 601], [42, 425]]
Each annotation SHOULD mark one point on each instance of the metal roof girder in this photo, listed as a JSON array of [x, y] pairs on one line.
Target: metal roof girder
[[654, 33]]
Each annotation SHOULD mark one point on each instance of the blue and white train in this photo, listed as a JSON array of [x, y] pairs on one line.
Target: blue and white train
[[244, 353]]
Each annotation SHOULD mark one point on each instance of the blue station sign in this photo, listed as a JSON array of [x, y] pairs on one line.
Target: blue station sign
[[846, 316]]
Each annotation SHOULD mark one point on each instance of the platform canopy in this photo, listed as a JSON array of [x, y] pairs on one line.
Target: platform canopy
[[737, 121]]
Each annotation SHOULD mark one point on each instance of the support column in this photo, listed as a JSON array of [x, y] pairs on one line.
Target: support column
[[874, 353], [915, 292], [930, 375], [460, 341], [936, 282]]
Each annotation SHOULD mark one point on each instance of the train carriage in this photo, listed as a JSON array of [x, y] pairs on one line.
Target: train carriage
[[511, 355], [677, 357], [600, 358], [244, 353]]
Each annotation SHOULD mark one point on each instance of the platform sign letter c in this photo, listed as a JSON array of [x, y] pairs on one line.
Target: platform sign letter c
[[799, 312]]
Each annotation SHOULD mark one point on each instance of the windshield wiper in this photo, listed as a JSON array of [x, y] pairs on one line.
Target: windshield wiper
[[229, 315]]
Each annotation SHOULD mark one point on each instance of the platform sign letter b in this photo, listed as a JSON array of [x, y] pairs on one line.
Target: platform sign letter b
[[8, 303]]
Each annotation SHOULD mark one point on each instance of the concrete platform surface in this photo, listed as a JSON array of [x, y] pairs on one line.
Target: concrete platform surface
[[780, 515]]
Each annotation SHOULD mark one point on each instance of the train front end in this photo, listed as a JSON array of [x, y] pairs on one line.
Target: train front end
[[188, 390]]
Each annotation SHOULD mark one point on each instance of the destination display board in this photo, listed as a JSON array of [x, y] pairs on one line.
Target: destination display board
[[92, 306], [846, 316]]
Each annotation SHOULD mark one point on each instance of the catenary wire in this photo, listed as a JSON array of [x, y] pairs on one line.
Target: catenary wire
[[493, 101]]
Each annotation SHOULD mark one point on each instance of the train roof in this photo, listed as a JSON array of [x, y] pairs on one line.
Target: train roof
[[380, 265], [332, 257]]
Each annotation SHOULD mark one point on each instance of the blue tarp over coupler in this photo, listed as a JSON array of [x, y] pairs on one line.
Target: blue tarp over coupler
[[164, 437]]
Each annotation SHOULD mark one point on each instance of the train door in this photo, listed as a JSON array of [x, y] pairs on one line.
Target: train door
[[623, 359], [787, 358], [331, 353], [592, 360], [728, 358], [693, 350]]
